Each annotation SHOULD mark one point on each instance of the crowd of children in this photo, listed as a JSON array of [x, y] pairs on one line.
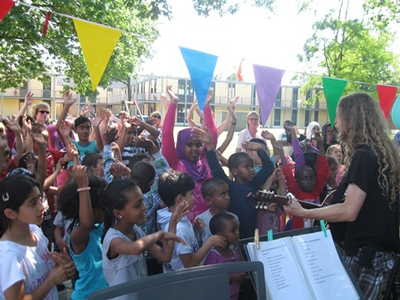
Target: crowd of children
[[128, 202]]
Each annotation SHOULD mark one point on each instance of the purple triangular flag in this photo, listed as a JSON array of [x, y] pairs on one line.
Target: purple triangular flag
[[201, 69], [268, 82]]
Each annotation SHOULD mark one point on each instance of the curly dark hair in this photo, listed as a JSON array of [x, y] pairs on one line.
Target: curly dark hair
[[172, 184], [69, 198]]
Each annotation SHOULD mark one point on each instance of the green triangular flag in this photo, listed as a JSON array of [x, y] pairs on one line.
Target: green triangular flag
[[333, 90]]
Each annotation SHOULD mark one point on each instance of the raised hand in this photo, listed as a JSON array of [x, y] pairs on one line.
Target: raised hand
[[174, 98], [118, 169], [37, 134], [164, 100], [67, 96], [28, 99], [87, 108], [181, 210], [14, 126], [202, 134], [65, 128], [110, 136], [141, 141], [267, 135], [251, 146], [231, 111], [26, 123], [78, 173], [97, 120], [209, 97], [233, 101]]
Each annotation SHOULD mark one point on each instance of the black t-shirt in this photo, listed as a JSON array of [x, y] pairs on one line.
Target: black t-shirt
[[377, 225]]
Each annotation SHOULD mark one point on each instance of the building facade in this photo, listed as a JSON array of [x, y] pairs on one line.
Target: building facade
[[146, 98]]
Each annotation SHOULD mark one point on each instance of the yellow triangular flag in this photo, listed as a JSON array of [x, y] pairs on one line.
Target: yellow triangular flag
[[98, 43]]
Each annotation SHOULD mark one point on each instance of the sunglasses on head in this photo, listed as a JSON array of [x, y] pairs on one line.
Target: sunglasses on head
[[44, 112], [156, 116]]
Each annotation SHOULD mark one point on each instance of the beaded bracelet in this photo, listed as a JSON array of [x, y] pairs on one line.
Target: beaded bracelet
[[83, 189]]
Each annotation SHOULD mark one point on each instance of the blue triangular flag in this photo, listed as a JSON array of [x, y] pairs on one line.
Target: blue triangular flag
[[201, 69]]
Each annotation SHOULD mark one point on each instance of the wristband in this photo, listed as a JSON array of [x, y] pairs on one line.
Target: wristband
[[233, 123], [83, 189]]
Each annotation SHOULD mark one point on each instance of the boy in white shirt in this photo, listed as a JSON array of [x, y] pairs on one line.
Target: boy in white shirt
[[175, 187], [216, 192]]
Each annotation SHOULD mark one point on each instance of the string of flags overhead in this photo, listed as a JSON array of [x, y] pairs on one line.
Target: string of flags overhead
[[201, 68]]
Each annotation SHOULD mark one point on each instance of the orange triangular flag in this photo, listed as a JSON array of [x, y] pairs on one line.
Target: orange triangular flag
[[239, 72], [98, 43]]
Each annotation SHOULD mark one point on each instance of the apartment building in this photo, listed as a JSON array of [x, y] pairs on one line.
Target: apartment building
[[146, 98]]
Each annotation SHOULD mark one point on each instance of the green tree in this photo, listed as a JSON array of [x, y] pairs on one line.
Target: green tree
[[356, 50], [25, 54]]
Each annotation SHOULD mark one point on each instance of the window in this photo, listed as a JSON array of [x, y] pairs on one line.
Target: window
[[316, 116], [277, 117], [295, 94], [294, 117], [307, 117], [47, 89]]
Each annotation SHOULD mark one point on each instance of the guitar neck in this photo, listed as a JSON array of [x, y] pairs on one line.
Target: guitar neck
[[262, 198]]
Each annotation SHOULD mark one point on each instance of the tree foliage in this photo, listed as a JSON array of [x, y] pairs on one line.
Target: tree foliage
[[352, 49], [26, 54]]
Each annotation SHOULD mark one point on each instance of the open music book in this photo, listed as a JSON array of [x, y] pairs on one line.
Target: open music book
[[305, 267]]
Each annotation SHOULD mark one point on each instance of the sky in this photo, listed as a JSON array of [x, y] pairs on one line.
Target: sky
[[254, 34]]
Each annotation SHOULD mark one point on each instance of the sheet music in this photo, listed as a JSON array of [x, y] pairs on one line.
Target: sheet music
[[323, 267], [284, 277]]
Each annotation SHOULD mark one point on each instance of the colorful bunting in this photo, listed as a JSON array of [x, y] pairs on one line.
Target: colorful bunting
[[268, 82], [201, 69], [387, 95], [396, 113], [239, 72], [5, 6], [333, 90], [46, 23], [98, 43]]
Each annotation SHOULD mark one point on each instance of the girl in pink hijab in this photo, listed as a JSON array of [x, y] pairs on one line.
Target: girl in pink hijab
[[188, 156]]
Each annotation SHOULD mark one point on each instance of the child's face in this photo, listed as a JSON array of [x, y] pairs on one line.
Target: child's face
[[193, 150], [306, 180], [134, 211], [32, 210], [245, 170], [83, 131], [231, 232], [131, 133], [220, 199], [6, 163], [337, 153], [271, 207], [333, 170], [189, 197], [99, 168]]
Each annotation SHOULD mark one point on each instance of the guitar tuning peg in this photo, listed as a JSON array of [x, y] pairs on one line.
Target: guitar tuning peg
[[265, 205], [258, 205]]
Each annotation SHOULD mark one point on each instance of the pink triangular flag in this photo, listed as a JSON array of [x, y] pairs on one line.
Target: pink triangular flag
[[268, 82]]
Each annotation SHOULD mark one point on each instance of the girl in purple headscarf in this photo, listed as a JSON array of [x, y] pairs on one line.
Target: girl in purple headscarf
[[188, 156]]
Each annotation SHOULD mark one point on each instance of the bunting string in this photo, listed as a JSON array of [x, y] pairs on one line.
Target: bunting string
[[72, 17]]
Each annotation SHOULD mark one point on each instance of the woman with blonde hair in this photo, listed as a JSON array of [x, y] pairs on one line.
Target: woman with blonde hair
[[251, 131], [336, 152], [366, 210]]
